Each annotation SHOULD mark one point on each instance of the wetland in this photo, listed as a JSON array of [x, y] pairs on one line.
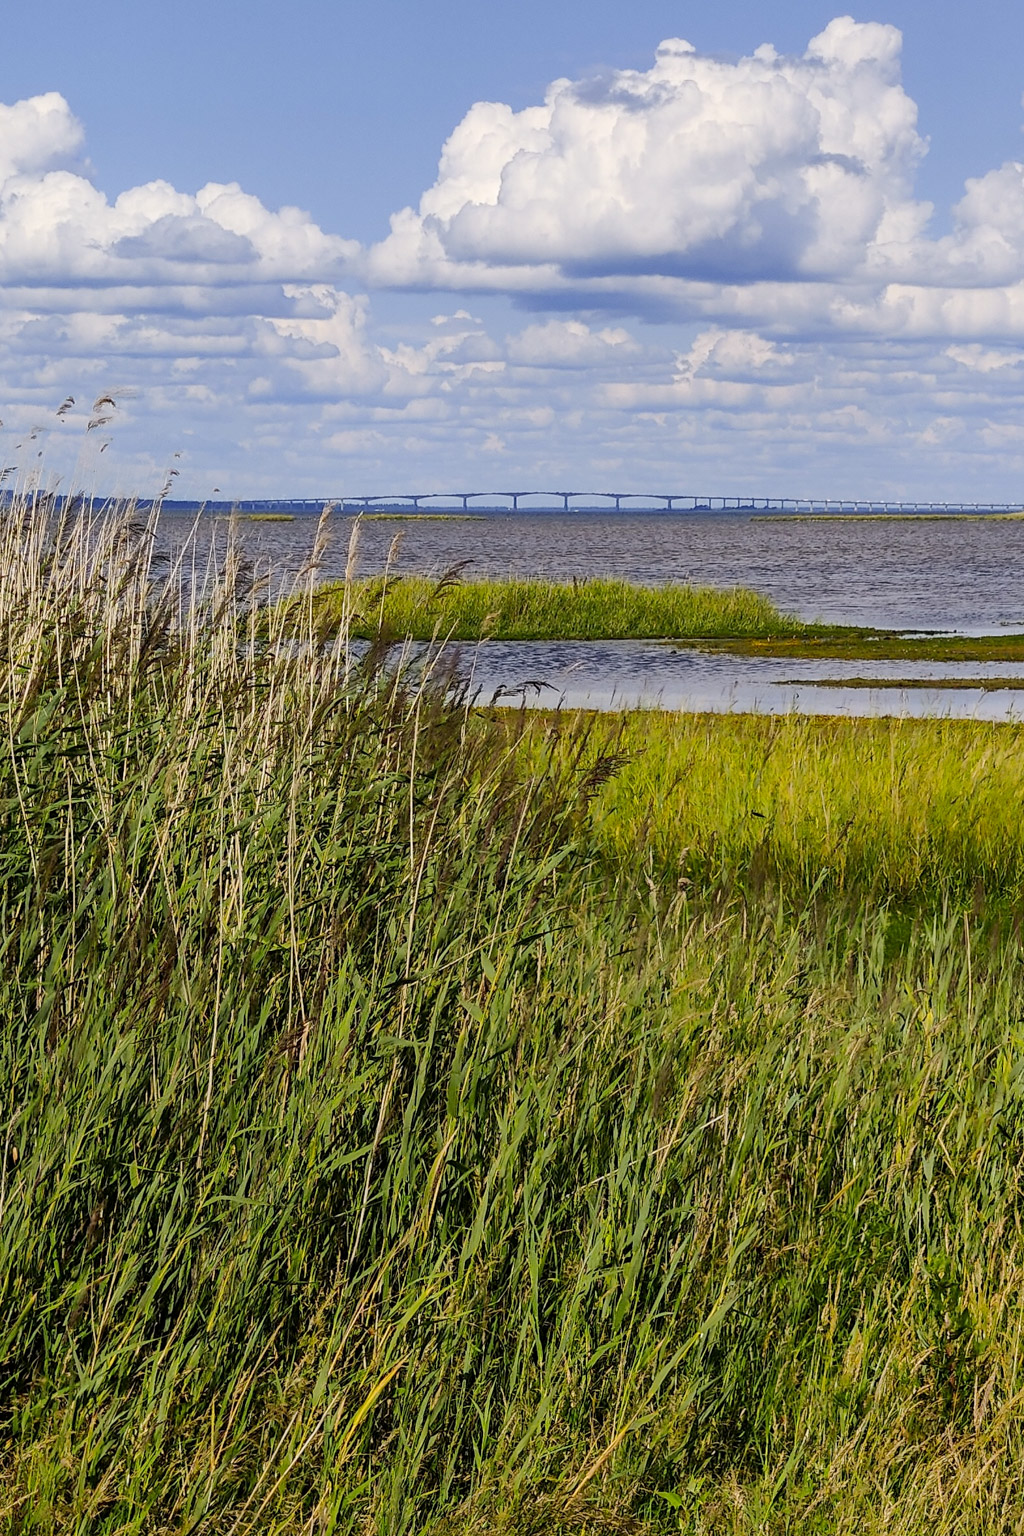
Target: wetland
[[434, 1119]]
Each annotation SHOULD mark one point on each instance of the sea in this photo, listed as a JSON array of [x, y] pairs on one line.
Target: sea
[[949, 575]]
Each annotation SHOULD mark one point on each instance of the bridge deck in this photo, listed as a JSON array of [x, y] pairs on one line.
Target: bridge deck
[[496, 502]]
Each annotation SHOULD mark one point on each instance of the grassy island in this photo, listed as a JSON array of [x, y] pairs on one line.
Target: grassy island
[[451, 608], [732, 620], [429, 1121], [868, 645]]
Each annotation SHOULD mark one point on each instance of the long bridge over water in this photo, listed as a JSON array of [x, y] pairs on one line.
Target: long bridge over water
[[491, 503]]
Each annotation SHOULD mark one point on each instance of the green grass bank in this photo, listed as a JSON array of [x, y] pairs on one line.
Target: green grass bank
[[862, 645], [734, 620], [886, 811], [422, 1120], [421, 608]]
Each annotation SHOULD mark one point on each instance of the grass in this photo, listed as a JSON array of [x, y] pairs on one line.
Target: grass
[[864, 645], [427, 1120], [984, 684], [885, 812], [597, 608], [733, 620]]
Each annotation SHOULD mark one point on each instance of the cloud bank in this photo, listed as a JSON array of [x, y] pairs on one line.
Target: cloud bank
[[775, 191], [728, 278]]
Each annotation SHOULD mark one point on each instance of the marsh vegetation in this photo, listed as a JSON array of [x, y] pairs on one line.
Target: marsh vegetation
[[455, 607], [734, 620], [426, 1119]]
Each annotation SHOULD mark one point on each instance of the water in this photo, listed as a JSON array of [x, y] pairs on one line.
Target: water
[[960, 575], [640, 674]]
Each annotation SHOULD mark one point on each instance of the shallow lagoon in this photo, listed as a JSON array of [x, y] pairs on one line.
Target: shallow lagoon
[[631, 674], [964, 576]]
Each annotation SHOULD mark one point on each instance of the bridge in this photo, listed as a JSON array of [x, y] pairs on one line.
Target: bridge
[[492, 503]]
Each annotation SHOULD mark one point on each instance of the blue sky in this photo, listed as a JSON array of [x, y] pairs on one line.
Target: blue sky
[[797, 271]]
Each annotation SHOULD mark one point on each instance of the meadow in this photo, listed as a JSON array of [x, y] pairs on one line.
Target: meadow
[[420, 1118]]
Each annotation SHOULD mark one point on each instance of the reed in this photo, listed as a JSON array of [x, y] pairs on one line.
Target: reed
[[400, 1135]]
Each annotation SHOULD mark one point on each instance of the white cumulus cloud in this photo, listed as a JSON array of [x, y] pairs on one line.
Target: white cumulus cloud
[[58, 231], [770, 167], [36, 133], [571, 344]]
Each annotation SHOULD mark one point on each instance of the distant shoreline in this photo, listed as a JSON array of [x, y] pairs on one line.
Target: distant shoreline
[[747, 513]]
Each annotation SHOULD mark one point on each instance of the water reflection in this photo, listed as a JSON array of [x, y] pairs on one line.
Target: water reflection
[[633, 674]]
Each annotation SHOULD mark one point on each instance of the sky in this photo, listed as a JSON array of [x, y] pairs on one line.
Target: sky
[[342, 248]]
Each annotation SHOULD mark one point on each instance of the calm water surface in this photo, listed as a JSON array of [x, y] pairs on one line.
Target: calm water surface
[[961, 575], [639, 674]]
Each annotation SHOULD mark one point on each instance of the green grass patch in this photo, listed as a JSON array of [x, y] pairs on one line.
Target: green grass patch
[[595, 609], [867, 645], [256, 517], [978, 684], [925, 812], [733, 620]]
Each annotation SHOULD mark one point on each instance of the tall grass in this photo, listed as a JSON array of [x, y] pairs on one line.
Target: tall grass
[[594, 609], [387, 1149]]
